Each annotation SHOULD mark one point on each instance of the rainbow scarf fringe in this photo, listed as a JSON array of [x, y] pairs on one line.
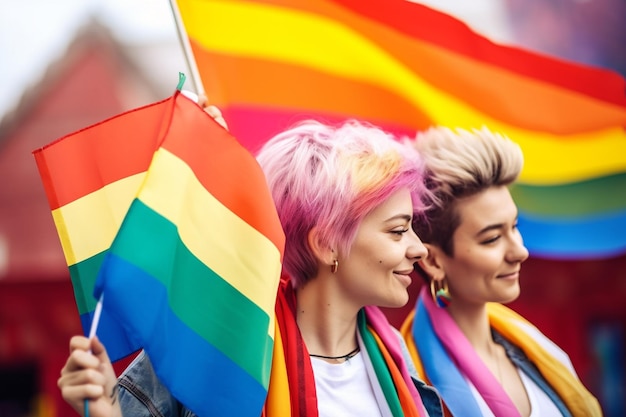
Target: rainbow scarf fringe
[[292, 385], [444, 357]]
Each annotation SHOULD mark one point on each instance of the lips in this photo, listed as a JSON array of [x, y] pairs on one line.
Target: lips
[[404, 276]]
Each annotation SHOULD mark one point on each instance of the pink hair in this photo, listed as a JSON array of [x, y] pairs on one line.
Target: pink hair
[[330, 178]]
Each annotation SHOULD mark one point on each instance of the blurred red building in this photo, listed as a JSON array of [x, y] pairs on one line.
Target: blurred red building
[[96, 78]]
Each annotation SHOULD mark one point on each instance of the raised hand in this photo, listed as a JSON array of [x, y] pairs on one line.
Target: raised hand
[[89, 375]]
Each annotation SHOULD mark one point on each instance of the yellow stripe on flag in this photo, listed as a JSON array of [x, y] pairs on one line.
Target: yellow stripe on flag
[[212, 232], [81, 236]]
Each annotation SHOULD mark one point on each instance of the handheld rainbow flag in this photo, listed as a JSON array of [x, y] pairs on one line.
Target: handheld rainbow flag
[[200, 241], [404, 67]]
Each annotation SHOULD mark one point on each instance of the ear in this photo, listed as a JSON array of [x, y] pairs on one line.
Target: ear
[[322, 252], [432, 264]]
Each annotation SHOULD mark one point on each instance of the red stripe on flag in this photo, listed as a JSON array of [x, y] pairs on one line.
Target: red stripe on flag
[[438, 28], [119, 147], [214, 155]]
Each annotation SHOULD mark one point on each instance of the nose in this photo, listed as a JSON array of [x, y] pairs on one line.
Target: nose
[[517, 251], [416, 249]]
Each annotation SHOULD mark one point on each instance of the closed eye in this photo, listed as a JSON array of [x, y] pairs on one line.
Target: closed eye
[[492, 240]]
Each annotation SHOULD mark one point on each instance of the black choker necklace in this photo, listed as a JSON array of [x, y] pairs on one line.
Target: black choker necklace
[[345, 357]]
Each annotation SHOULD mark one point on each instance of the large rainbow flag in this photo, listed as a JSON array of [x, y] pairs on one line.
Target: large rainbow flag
[[190, 248], [404, 67]]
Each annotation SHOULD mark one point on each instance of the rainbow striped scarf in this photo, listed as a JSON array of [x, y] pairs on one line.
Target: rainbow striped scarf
[[444, 357], [292, 384]]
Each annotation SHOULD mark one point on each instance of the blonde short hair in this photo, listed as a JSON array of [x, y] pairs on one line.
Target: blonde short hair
[[460, 163]]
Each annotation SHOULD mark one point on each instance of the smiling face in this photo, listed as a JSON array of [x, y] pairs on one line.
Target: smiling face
[[376, 272], [487, 250]]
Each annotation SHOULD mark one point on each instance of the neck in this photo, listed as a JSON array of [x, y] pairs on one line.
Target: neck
[[474, 323], [340, 358], [327, 325]]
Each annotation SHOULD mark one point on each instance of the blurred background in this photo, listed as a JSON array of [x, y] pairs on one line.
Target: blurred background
[[70, 63]]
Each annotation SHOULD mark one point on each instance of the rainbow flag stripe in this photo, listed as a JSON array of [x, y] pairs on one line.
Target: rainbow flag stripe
[[404, 67]]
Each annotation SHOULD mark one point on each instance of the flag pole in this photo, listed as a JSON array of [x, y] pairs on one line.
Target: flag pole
[[184, 41], [92, 333], [96, 318]]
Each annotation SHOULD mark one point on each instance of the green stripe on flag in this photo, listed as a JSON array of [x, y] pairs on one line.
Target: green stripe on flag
[[210, 306], [84, 275], [580, 199]]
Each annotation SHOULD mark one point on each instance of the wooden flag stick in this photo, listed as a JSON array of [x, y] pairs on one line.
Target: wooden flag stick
[[189, 58]]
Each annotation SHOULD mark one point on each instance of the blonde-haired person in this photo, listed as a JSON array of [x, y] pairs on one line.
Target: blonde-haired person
[[483, 358], [345, 196]]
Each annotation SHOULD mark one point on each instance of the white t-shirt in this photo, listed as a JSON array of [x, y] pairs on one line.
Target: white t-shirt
[[540, 404], [344, 389]]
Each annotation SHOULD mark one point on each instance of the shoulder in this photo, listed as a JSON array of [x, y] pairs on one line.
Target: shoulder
[[521, 333], [406, 355], [517, 348], [429, 394]]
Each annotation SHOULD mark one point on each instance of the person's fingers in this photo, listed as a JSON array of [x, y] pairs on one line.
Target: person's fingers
[[216, 114], [203, 101], [87, 377], [77, 396], [80, 343], [213, 111], [89, 374], [98, 349], [78, 393], [105, 364], [80, 359]]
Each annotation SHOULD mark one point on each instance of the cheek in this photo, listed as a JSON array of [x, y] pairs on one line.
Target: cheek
[[463, 267], [480, 266]]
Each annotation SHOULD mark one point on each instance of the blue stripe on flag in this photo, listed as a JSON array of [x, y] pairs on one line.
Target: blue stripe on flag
[[595, 237], [195, 372], [118, 346]]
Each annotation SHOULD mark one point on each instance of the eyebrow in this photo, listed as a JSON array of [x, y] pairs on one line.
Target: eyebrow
[[406, 217], [493, 227], [490, 228]]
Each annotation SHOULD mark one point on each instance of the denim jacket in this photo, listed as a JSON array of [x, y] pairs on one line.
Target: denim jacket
[[142, 394], [519, 358]]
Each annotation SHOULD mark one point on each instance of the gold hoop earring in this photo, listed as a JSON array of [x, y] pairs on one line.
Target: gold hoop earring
[[440, 295], [334, 266]]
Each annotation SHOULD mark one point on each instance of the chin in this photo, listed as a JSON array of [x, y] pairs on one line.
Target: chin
[[510, 298], [397, 302]]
